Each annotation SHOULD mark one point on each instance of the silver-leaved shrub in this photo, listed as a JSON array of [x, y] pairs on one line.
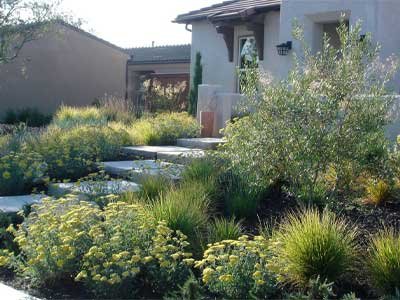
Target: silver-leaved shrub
[[323, 126]]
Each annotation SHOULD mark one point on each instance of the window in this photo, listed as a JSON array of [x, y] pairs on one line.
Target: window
[[248, 58], [330, 29]]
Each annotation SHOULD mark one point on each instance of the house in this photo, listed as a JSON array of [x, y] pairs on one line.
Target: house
[[73, 67], [232, 33], [166, 64], [66, 66]]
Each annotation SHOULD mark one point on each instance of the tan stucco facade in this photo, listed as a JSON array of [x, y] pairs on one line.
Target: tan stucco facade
[[67, 66]]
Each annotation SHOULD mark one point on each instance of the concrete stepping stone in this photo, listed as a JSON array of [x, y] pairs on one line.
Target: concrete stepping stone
[[201, 143], [93, 188], [9, 293], [12, 204], [181, 157], [140, 169], [150, 152]]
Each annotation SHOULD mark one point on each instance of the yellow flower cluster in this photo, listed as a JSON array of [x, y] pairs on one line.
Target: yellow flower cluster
[[54, 236], [232, 268], [128, 242]]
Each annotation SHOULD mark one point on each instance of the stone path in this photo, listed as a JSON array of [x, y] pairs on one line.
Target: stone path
[[201, 143], [138, 170], [8, 293], [93, 188], [14, 204]]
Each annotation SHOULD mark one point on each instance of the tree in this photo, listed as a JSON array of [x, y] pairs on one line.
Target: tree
[[22, 21], [197, 80], [322, 127]]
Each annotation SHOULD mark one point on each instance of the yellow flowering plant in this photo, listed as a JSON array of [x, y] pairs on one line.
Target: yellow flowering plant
[[19, 172], [130, 251], [54, 238], [236, 269], [73, 153]]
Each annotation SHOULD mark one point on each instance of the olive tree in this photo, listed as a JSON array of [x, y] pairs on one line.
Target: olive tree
[[22, 21], [320, 128]]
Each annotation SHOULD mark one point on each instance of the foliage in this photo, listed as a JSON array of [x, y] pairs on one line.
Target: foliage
[[163, 129], [311, 245], [224, 229], [19, 172], [130, 250], [18, 138], [161, 97], [329, 113], [6, 238], [384, 261], [73, 153], [68, 117], [240, 199], [116, 109], [184, 208], [315, 290], [32, 117], [378, 192], [53, 239], [235, 269], [23, 21], [203, 170], [197, 80], [153, 187]]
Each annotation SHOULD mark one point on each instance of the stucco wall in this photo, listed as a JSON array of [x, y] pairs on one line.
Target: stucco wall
[[216, 66], [380, 17], [64, 67]]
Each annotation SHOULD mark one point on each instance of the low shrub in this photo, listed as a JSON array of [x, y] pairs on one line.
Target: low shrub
[[73, 153], [184, 208], [19, 172], [130, 251], [384, 262], [224, 229], [163, 129], [32, 117], [311, 245], [235, 269], [53, 240]]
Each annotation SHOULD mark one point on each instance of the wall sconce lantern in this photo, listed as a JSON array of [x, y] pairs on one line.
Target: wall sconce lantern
[[284, 48]]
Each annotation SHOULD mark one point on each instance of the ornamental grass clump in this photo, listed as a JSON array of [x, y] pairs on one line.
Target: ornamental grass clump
[[384, 262], [53, 240], [73, 153], [20, 172], [68, 117], [184, 208], [235, 269], [130, 252], [310, 245], [224, 229]]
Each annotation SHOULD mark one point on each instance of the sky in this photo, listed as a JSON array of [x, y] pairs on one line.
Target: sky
[[135, 23]]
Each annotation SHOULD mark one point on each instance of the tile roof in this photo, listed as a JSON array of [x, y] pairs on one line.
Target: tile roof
[[228, 10], [159, 54]]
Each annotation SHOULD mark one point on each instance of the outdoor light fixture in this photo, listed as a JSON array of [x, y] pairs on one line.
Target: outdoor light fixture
[[284, 48]]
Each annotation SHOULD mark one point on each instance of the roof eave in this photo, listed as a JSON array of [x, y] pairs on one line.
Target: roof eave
[[184, 19]]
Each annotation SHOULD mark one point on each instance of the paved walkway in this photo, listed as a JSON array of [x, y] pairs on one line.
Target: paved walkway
[[8, 293]]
